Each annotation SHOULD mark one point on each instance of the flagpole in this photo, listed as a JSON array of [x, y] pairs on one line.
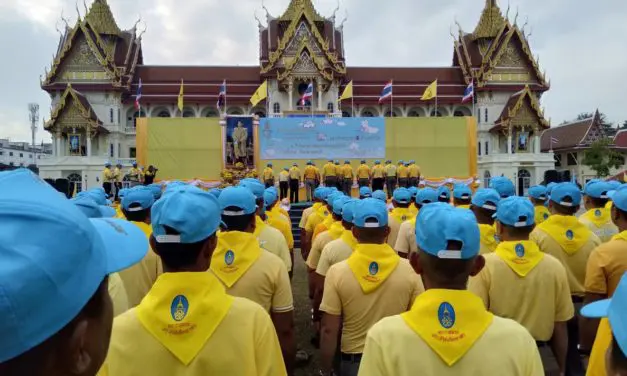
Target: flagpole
[[311, 101], [392, 103], [353, 105], [225, 95], [473, 97]]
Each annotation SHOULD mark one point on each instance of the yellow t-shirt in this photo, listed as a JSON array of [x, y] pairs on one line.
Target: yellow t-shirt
[[606, 265], [244, 343], [390, 171], [377, 171], [335, 251], [347, 171], [329, 170], [303, 219], [402, 171], [139, 278], [406, 239], [316, 249], [118, 175], [505, 348], [344, 296], [315, 219], [117, 292], [295, 173], [107, 176], [605, 231], [310, 173], [363, 172], [535, 301], [284, 175], [414, 171], [134, 174], [268, 174], [574, 264], [395, 226], [279, 222], [273, 241]]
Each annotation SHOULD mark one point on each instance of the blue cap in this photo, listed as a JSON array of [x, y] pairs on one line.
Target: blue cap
[[337, 161], [614, 309], [270, 197], [348, 210], [426, 196], [91, 209], [52, 259], [122, 192], [174, 185], [549, 187], [321, 193], [238, 197], [141, 198], [597, 189], [439, 223], [412, 161], [156, 190], [614, 184], [216, 192], [377, 162], [254, 185], [365, 192], [515, 211], [380, 195], [338, 205], [97, 195], [309, 162], [462, 192], [401, 162], [363, 161], [402, 195], [413, 191], [486, 198], [347, 162], [192, 212], [619, 198], [370, 213], [566, 190], [444, 192], [538, 192], [332, 197], [269, 164], [503, 186]]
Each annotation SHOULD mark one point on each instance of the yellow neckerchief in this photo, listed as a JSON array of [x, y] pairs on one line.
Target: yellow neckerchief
[[620, 236], [234, 255], [567, 231], [348, 238], [488, 236], [372, 264], [328, 221], [413, 210], [609, 205], [119, 213], [463, 206], [449, 321], [316, 206], [336, 230], [599, 216], [182, 310], [259, 225], [401, 214], [521, 256], [542, 213]]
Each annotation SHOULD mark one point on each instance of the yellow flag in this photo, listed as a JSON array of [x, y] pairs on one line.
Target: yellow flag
[[181, 98], [260, 94], [348, 91], [431, 91]]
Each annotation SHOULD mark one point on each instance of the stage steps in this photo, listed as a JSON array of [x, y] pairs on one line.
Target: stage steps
[[296, 212]]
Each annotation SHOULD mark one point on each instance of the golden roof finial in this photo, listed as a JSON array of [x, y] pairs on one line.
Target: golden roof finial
[[101, 18], [296, 6], [490, 22]]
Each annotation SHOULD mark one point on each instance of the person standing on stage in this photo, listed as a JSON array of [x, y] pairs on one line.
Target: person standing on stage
[[329, 174], [268, 176], [107, 179], [318, 176], [363, 174], [347, 175], [118, 176], [339, 181], [294, 183], [149, 175], [134, 175], [414, 174], [377, 176], [390, 177], [284, 177], [403, 175], [310, 175]]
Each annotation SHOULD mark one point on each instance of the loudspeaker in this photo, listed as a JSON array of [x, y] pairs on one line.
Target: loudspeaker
[[565, 176], [63, 186], [551, 176]]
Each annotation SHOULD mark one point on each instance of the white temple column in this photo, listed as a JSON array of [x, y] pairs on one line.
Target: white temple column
[[509, 143], [536, 141], [89, 144], [319, 94], [58, 144], [290, 92], [54, 145]]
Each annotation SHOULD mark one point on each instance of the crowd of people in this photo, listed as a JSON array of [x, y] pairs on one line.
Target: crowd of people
[[176, 280], [112, 177]]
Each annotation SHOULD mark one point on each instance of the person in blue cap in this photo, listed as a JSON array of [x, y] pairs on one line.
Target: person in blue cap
[[330, 219], [317, 205], [108, 179], [403, 174], [378, 176], [400, 213], [339, 249], [188, 300], [503, 186], [318, 215], [295, 180], [538, 196], [483, 205], [390, 177], [522, 283], [373, 283], [571, 242], [348, 176], [268, 176], [363, 174], [279, 221], [597, 217], [462, 194], [329, 174], [284, 183], [365, 192], [448, 328], [54, 267], [406, 240], [380, 195], [414, 173], [339, 182], [310, 175]]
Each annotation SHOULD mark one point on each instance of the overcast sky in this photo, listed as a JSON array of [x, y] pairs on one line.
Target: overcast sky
[[581, 44]]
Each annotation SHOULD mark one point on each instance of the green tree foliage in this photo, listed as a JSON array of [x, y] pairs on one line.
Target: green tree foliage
[[601, 158], [609, 128]]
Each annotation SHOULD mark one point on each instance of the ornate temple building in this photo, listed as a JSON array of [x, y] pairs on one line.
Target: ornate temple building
[[94, 77]]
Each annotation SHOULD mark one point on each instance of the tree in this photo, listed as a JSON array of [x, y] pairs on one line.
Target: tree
[[601, 158], [609, 128], [624, 126]]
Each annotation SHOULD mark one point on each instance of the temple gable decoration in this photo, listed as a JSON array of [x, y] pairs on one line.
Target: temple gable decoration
[[522, 111], [74, 112]]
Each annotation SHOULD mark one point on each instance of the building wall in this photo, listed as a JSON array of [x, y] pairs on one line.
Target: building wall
[[581, 172]]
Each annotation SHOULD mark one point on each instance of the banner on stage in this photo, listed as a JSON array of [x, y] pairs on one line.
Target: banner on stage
[[328, 138]]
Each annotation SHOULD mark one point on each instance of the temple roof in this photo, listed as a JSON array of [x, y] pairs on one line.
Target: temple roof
[[491, 21], [74, 99], [519, 103], [296, 6], [573, 135], [102, 19]]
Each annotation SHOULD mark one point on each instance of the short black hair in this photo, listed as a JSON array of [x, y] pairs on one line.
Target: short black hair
[[336, 217], [178, 255], [518, 232], [446, 200], [136, 216], [618, 358], [598, 202], [347, 225], [401, 204], [370, 235], [537, 201], [446, 272], [237, 222], [461, 201], [563, 209]]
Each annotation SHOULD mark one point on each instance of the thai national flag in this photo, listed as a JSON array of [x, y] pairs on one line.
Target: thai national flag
[[307, 95], [469, 93], [222, 94], [138, 97], [387, 92]]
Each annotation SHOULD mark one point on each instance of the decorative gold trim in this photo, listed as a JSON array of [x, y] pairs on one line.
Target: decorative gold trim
[[301, 6], [63, 102], [512, 112], [490, 21]]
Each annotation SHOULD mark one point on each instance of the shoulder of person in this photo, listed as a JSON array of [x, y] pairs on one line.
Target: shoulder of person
[[512, 330], [126, 322]]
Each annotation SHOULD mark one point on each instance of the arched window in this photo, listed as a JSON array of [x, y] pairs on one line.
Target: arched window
[[367, 113], [486, 178], [330, 107], [111, 115], [75, 180], [458, 113], [390, 114], [524, 181], [260, 114], [436, 113], [188, 114], [413, 113], [346, 114], [235, 111], [486, 115], [276, 107], [211, 113], [163, 114]]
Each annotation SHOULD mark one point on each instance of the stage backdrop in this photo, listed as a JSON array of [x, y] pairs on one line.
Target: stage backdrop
[[317, 138]]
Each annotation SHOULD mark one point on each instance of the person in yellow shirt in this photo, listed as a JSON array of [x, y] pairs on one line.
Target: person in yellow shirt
[[414, 174], [295, 178], [311, 177], [483, 205], [571, 242], [278, 220], [118, 175], [378, 176], [538, 196], [406, 239], [401, 213], [268, 176], [317, 217], [403, 175], [284, 182], [329, 174], [606, 265], [318, 175], [319, 195], [390, 177], [135, 175], [461, 196], [333, 219], [363, 174], [149, 175], [188, 324], [522, 283], [339, 249], [373, 283], [108, 179], [598, 217], [448, 329], [347, 175], [339, 181]]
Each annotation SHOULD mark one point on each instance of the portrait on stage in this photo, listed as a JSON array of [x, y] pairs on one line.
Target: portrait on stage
[[239, 143], [75, 144]]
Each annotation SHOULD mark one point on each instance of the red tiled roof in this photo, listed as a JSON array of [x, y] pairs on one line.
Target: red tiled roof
[[567, 136], [620, 139]]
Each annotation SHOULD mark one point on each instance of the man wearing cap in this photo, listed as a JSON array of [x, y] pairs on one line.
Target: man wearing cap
[[149, 175], [373, 283], [522, 283], [339, 249], [613, 312], [310, 176], [606, 265], [304, 236], [400, 201], [365, 192], [56, 313], [329, 220], [538, 197], [108, 180], [188, 324], [276, 219], [571, 242], [444, 194], [448, 329], [483, 205], [339, 181], [348, 175], [414, 173], [317, 217], [406, 239], [248, 271], [598, 217], [390, 177], [363, 174], [118, 175], [503, 186], [294, 183], [461, 196], [403, 175], [378, 176], [329, 174], [284, 182], [268, 176], [134, 175]]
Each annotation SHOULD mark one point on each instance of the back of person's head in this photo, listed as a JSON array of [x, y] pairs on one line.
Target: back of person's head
[[54, 264], [537, 194], [365, 192], [596, 194], [370, 221], [257, 189], [619, 207], [444, 194], [484, 204], [516, 218], [462, 194], [426, 196], [503, 186], [91, 209], [238, 206], [401, 197], [380, 195], [565, 199], [338, 206], [136, 204], [348, 212]]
